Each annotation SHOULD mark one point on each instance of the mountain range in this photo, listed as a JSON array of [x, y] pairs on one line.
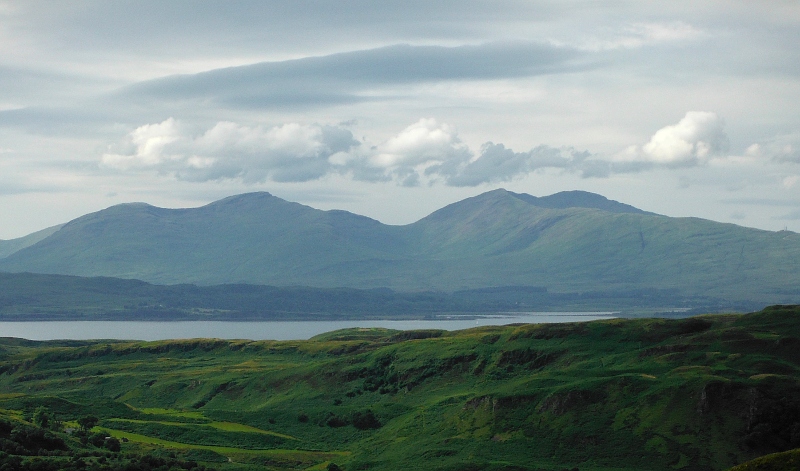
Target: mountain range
[[567, 242]]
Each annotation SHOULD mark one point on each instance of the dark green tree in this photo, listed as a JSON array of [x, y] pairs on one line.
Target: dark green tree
[[86, 423], [112, 444], [41, 417]]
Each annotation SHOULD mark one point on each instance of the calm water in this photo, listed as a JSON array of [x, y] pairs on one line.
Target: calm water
[[298, 330]]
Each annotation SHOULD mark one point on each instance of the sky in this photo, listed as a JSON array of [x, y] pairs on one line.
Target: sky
[[393, 109]]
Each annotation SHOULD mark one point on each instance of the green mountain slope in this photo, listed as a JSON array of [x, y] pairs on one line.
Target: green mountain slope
[[584, 249], [255, 237], [568, 242], [7, 247], [703, 393]]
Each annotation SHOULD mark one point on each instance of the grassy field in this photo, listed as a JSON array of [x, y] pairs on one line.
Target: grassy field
[[704, 393]]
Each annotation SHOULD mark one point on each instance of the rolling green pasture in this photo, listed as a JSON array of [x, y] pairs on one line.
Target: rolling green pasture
[[704, 393]]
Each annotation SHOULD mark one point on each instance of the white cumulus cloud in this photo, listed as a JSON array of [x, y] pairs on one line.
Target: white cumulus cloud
[[422, 142], [424, 152], [694, 140], [289, 152]]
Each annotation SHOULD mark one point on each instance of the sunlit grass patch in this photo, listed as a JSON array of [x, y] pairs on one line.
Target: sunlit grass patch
[[240, 455], [223, 426], [171, 412], [235, 427], [10, 395]]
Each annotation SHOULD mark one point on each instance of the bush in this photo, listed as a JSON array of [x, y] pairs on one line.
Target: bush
[[365, 420], [335, 421], [112, 444]]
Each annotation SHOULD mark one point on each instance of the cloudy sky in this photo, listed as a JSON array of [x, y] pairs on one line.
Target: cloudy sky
[[393, 109]]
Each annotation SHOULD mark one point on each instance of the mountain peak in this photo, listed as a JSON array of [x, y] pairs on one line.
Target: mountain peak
[[490, 201], [256, 196], [578, 199]]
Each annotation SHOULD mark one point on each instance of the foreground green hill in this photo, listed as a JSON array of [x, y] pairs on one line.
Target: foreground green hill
[[785, 461], [572, 242], [703, 393]]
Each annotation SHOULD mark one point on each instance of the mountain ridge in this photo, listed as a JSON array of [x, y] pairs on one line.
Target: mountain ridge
[[578, 199], [568, 242]]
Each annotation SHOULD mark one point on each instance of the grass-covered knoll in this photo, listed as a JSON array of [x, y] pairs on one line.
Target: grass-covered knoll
[[708, 392]]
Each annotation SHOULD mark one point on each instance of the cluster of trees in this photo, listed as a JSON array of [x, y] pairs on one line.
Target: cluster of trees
[[43, 418], [84, 462], [45, 446]]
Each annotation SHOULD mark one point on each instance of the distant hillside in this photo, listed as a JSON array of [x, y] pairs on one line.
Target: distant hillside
[[36, 297], [571, 242]]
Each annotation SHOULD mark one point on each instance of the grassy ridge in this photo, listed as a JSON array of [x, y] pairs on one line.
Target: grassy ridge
[[707, 392]]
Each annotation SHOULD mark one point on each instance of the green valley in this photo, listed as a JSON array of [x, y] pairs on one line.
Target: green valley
[[702, 393]]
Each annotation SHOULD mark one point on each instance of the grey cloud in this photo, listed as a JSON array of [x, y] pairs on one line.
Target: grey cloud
[[65, 120], [44, 101], [25, 86], [336, 79], [596, 169], [497, 163], [14, 188], [216, 27], [784, 148], [343, 77], [759, 202], [791, 216]]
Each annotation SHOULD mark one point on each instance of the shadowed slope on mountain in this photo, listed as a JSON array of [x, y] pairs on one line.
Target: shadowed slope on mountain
[[8, 247]]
